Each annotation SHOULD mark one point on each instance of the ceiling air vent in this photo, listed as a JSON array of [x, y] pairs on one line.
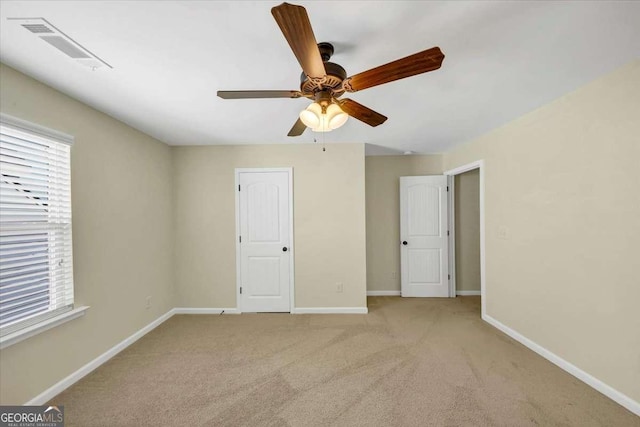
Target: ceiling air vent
[[38, 28], [62, 44], [46, 31]]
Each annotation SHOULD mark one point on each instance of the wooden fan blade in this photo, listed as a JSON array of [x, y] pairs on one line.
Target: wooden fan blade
[[248, 94], [294, 24], [362, 113], [418, 63], [297, 129]]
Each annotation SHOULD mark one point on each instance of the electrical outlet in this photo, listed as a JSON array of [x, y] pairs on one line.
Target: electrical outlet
[[148, 303], [339, 287], [393, 275], [503, 232]]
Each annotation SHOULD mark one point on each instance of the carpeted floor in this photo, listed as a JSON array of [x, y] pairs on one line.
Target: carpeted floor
[[409, 362]]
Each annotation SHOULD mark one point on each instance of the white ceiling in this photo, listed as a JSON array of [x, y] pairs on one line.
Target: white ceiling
[[503, 59]]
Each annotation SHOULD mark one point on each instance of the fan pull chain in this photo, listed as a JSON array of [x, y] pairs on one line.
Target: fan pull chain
[[323, 144]]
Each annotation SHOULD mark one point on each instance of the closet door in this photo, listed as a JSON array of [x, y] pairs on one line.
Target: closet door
[[423, 232]]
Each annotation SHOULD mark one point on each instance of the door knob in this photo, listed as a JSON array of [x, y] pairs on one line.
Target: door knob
[[285, 249], [404, 242]]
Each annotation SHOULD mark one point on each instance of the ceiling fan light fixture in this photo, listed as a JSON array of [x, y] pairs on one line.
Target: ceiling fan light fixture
[[323, 125], [311, 116], [331, 119], [336, 116]]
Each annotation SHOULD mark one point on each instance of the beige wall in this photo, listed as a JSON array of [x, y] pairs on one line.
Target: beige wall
[[383, 214], [564, 182], [329, 221], [467, 219], [121, 195]]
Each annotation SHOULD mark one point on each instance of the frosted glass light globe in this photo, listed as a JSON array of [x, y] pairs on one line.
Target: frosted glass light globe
[[311, 115], [336, 117]]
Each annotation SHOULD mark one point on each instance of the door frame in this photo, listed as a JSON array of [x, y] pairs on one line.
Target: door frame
[[291, 246], [478, 164]]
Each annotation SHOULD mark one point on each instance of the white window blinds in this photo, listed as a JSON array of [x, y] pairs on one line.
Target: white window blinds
[[36, 268]]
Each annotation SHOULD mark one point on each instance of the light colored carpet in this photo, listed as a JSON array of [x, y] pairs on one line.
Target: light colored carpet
[[409, 362]]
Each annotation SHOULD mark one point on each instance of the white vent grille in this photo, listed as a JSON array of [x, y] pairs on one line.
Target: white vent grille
[[38, 28], [64, 46], [49, 33]]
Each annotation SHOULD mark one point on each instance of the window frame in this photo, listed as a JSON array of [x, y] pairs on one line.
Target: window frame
[[40, 322]]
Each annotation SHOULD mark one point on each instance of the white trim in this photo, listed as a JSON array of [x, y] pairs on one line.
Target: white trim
[[330, 310], [478, 164], [238, 253], [189, 310], [383, 293], [291, 246], [292, 262], [451, 182], [590, 380], [45, 325], [468, 293], [25, 125], [76, 376]]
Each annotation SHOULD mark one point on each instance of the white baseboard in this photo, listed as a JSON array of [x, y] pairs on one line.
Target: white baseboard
[[188, 310], [383, 293], [590, 380], [468, 293], [76, 376], [330, 310]]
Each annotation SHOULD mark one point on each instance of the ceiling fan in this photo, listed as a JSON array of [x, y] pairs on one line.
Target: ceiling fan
[[324, 82]]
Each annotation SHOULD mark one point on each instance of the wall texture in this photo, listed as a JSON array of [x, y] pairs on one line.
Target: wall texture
[[329, 221], [122, 226], [383, 214], [467, 219], [563, 184]]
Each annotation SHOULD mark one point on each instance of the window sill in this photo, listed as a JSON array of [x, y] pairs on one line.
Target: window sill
[[23, 334]]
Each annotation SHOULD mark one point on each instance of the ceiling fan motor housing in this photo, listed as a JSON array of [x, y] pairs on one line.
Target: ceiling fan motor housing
[[326, 51], [333, 80]]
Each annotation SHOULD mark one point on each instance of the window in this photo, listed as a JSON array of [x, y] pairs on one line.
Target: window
[[36, 268]]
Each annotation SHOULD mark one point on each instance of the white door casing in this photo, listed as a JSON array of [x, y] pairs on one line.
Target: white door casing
[[478, 164], [423, 233], [264, 215]]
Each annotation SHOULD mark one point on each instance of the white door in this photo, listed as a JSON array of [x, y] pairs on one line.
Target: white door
[[423, 233], [264, 241]]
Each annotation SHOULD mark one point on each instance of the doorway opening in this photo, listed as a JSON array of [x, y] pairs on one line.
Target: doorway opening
[[467, 234]]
